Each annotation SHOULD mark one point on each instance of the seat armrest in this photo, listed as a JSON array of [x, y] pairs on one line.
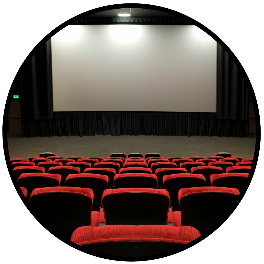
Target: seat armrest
[[101, 217], [170, 220], [177, 218], [95, 218]]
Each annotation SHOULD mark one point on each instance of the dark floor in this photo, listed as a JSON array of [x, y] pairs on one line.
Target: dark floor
[[23, 147]]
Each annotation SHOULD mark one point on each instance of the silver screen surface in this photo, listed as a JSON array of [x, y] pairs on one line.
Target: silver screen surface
[[134, 68]]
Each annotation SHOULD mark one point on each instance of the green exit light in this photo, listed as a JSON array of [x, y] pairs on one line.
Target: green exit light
[[15, 96]]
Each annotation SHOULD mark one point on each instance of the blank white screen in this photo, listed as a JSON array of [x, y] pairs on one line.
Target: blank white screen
[[134, 68]]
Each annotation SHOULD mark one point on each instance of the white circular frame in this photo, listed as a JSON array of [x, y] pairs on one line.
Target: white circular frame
[[237, 56]]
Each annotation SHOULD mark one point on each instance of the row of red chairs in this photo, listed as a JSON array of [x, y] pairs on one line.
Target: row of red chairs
[[98, 183], [64, 209], [107, 169], [132, 162], [119, 163], [217, 156]]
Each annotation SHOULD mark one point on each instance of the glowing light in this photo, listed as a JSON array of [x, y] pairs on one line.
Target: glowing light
[[124, 15], [125, 33], [201, 34], [69, 33]]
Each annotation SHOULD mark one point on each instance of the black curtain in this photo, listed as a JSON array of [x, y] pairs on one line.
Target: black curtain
[[232, 91], [135, 123], [36, 95], [132, 123]]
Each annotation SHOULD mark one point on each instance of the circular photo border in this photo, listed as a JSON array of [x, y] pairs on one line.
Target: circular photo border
[[210, 30]]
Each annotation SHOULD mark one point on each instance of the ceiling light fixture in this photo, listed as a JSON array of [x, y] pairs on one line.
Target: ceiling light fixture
[[124, 15], [124, 12]]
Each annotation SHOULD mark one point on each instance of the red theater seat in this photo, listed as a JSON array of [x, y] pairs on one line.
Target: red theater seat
[[25, 169], [142, 164], [230, 159], [135, 180], [223, 154], [113, 165], [49, 164], [239, 158], [64, 161], [244, 163], [98, 183], [195, 158], [206, 171], [239, 169], [135, 170], [161, 172], [122, 155], [245, 160], [54, 157], [47, 154], [38, 160], [62, 209], [216, 158], [24, 191], [135, 160], [131, 241], [137, 155], [18, 160], [154, 160], [136, 206], [179, 161], [160, 164], [189, 165], [81, 165], [172, 158], [75, 158], [174, 182], [239, 181], [205, 208], [31, 158], [119, 161], [64, 171], [222, 164], [87, 160], [115, 158], [97, 158], [149, 155], [31, 181], [206, 161], [21, 163], [109, 172]]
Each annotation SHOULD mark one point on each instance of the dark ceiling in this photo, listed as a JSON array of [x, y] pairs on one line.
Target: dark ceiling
[[134, 12], [138, 16]]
